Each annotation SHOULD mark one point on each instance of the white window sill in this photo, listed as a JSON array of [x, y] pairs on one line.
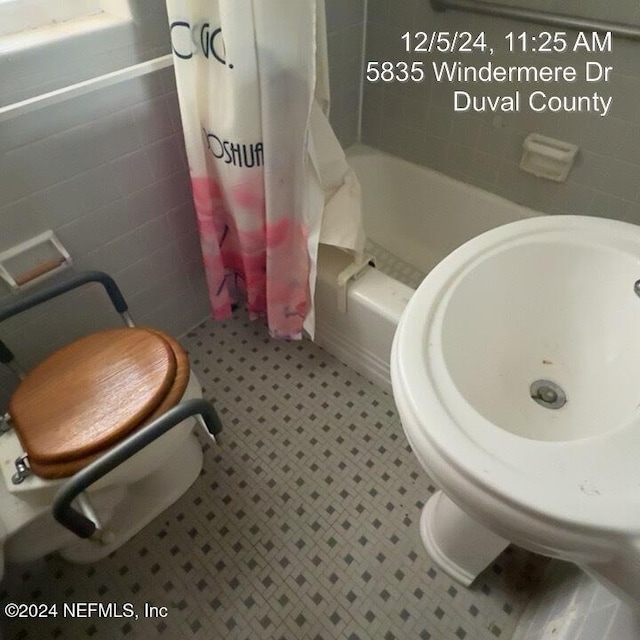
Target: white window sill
[[23, 40]]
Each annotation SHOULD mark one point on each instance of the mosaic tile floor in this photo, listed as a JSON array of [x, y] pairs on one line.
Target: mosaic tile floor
[[303, 524]]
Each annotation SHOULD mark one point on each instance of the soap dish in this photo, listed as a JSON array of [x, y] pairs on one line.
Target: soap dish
[[547, 158], [32, 261]]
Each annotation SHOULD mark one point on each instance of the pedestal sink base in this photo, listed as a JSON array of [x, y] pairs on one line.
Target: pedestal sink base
[[621, 575], [462, 547], [457, 544]]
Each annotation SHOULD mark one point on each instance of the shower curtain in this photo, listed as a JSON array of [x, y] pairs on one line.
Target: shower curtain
[[269, 178]]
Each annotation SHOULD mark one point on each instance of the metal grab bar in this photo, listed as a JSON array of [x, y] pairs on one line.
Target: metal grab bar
[[79, 524], [539, 17], [13, 306]]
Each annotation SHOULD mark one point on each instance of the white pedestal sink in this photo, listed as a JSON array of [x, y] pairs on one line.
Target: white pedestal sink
[[516, 372]]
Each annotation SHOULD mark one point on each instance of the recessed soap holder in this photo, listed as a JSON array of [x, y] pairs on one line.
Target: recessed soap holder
[[32, 261], [547, 158]]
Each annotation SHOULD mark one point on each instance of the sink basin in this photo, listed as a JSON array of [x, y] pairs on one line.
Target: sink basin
[[547, 306], [516, 372]]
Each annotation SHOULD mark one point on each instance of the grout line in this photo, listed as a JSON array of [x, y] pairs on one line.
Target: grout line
[[362, 68]]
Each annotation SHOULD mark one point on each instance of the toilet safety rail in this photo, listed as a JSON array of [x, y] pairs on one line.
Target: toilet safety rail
[[25, 301], [82, 526], [540, 17], [74, 487]]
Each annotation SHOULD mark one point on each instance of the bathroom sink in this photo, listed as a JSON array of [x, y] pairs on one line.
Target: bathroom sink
[[516, 372]]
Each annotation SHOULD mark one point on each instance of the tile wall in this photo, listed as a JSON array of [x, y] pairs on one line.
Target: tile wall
[[622, 11], [107, 172], [345, 31], [417, 121]]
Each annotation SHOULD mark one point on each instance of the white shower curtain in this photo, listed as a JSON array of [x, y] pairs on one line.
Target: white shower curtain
[[269, 178]]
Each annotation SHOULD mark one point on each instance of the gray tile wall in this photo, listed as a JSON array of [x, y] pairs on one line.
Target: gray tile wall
[[107, 172], [417, 121], [622, 11], [345, 31]]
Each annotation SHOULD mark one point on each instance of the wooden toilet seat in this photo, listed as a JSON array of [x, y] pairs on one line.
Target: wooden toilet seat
[[92, 393]]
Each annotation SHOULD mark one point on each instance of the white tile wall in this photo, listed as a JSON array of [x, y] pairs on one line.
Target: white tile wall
[[107, 172]]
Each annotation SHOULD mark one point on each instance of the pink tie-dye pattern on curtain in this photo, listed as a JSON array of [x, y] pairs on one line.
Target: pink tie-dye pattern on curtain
[[249, 75], [241, 249]]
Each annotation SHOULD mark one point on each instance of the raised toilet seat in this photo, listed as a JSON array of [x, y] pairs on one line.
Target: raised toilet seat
[[99, 437], [135, 373]]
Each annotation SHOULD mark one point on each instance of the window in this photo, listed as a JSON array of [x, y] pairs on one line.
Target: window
[[20, 15], [50, 44]]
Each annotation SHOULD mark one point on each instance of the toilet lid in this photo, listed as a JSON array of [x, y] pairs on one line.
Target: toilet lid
[[91, 393]]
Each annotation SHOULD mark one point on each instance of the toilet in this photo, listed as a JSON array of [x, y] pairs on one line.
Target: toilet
[[85, 400]]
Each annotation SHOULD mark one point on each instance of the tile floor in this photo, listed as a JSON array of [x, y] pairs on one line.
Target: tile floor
[[303, 524]]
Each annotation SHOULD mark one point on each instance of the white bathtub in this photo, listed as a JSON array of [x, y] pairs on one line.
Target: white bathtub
[[415, 217]]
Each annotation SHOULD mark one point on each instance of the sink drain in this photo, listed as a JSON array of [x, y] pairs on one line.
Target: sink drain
[[547, 394]]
